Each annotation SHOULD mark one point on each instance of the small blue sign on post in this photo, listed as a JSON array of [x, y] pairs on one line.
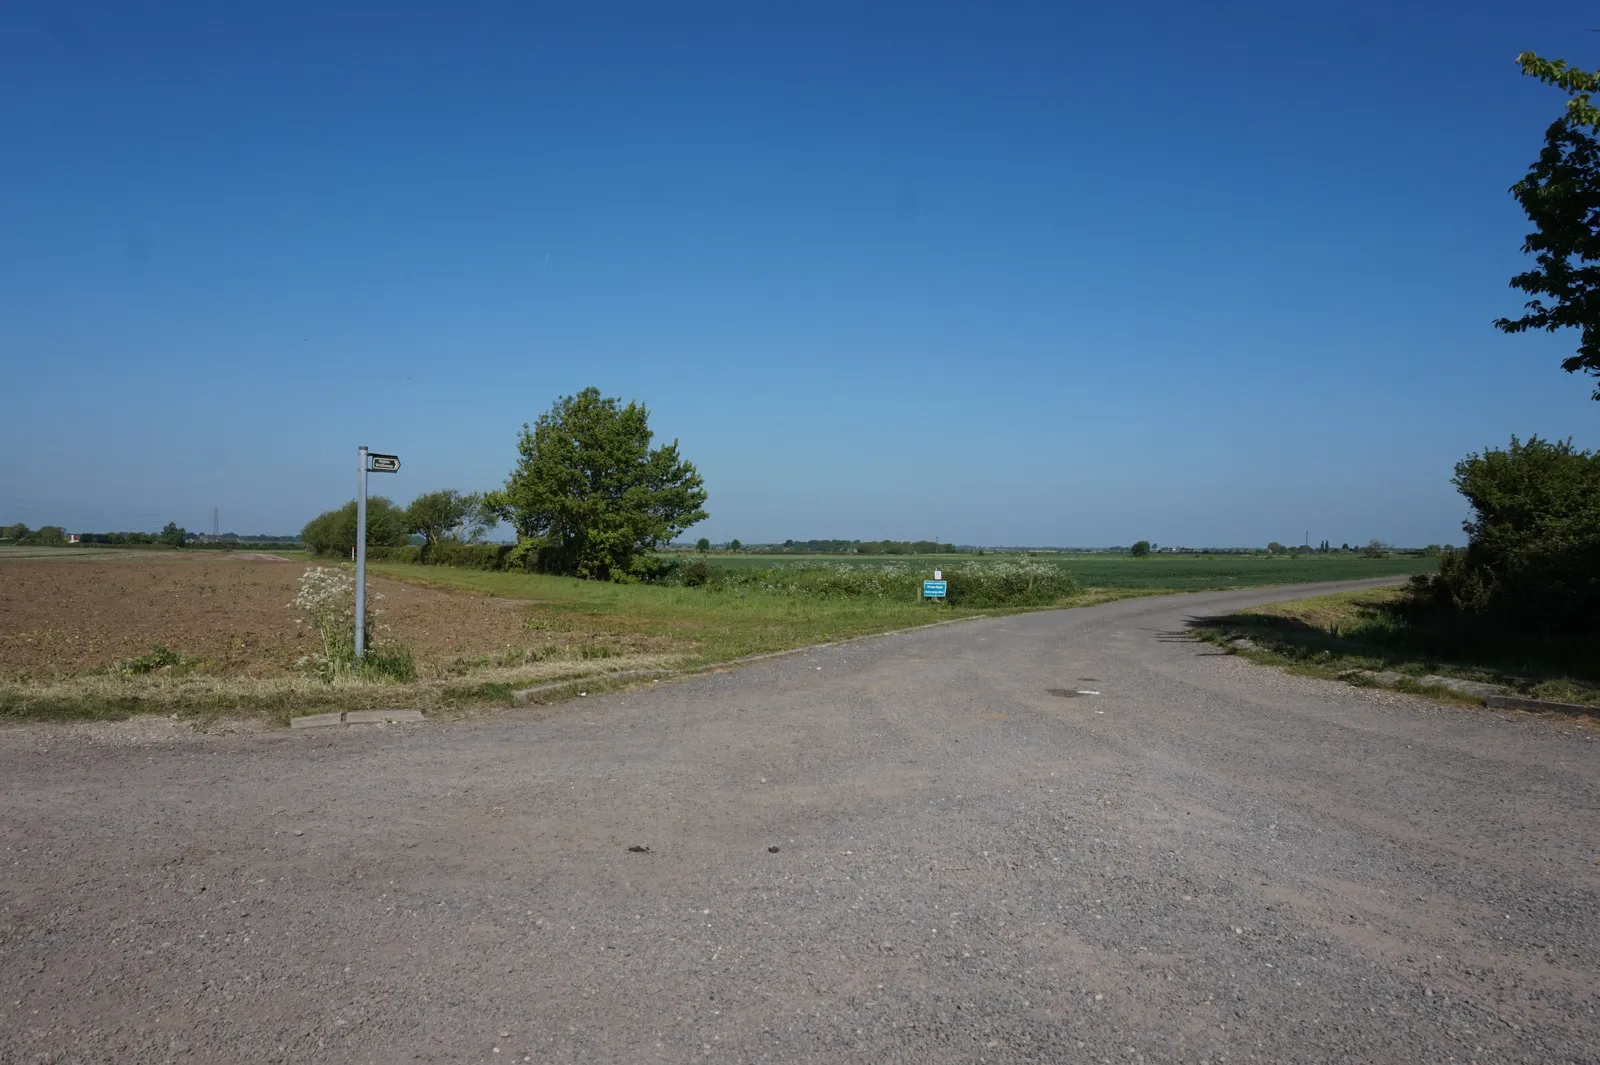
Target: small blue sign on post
[[933, 589]]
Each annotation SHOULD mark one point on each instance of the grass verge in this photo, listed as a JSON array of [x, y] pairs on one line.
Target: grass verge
[[112, 697], [1386, 630], [700, 626]]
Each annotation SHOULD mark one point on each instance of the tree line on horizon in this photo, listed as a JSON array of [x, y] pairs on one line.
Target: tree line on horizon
[[838, 547]]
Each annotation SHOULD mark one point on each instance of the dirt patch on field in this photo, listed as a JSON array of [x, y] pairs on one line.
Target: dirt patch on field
[[62, 618]]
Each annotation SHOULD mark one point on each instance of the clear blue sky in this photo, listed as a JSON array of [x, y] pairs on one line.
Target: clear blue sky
[[1017, 273]]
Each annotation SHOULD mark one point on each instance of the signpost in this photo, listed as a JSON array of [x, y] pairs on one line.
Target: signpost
[[934, 589], [366, 462]]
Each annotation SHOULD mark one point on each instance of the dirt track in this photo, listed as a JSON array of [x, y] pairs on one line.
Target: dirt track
[[1206, 861]]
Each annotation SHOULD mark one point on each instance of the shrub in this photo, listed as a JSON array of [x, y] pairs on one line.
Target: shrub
[[158, 657], [1009, 584], [470, 556], [408, 553], [328, 596], [1533, 554], [391, 662], [333, 532], [977, 584]]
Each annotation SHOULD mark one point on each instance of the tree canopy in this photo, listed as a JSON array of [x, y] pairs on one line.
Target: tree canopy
[[447, 515], [590, 497], [1561, 196], [333, 532]]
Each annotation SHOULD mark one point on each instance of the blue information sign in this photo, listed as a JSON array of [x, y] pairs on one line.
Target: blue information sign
[[933, 589]]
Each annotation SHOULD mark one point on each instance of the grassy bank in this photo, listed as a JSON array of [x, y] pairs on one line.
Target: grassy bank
[[1386, 631], [483, 681], [701, 626]]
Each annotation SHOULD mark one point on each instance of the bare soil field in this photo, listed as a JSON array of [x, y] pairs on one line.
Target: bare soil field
[[68, 617]]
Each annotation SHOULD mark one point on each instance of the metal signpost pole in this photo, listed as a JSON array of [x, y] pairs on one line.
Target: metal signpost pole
[[361, 550]]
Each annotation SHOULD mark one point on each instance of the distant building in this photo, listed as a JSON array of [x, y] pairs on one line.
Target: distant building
[[74, 538]]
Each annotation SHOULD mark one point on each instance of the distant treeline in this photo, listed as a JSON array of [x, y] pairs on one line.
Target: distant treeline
[[223, 542], [855, 547], [171, 536]]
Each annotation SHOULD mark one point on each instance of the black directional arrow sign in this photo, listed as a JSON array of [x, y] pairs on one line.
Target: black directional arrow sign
[[383, 463]]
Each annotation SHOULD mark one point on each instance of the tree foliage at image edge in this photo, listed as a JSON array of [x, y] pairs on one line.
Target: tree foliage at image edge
[[1561, 197]]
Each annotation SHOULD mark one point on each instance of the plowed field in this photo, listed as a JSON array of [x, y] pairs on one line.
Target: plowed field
[[60, 618]]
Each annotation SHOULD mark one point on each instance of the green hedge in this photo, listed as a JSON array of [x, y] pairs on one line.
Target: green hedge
[[466, 556], [971, 584]]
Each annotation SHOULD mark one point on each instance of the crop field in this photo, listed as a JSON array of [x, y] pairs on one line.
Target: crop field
[[206, 635], [230, 616], [74, 553], [1185, 573]]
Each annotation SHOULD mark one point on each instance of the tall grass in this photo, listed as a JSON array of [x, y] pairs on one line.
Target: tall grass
[[973, 584]]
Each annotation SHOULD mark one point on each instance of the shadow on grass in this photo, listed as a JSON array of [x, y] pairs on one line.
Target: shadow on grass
[[1417, 637]]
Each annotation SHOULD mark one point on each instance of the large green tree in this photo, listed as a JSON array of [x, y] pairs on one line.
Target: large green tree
[[590, 497], [333, 532], [447, 515], [1561, 196]]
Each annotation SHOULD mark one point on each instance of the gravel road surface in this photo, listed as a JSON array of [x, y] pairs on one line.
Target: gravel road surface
[[921, 848]]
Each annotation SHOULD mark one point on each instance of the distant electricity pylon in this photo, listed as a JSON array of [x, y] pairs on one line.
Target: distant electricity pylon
[[216, 522]]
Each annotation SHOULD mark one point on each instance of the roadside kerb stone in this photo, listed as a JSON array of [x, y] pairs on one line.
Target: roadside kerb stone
[[1517, 702], [1462, 687], [317, 721], [355, 717], [524, 696], [380, 717], [1492, 695], [1388, 678]]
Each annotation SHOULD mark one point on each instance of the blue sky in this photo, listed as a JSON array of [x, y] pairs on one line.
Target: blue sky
[[1018, 273]]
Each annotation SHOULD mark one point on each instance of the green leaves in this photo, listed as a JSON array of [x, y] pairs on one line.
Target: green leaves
[[589, 496], [447, 515], [1561, 196], [333, 532], [1534, 550]]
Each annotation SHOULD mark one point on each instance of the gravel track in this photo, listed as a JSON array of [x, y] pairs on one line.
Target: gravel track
[[1207, 861]]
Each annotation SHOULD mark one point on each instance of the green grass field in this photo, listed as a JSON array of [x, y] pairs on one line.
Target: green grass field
[[1179, 573], [701, 626]]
